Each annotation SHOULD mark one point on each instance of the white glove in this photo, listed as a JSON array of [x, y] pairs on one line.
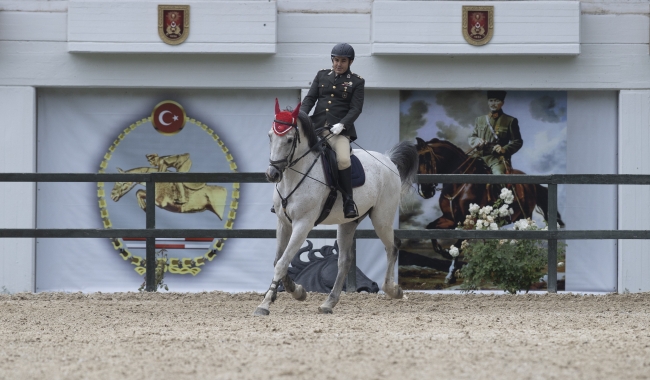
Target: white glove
[[337, 128]]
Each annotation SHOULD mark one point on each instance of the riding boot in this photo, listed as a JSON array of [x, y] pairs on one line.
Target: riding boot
[[345, 182]]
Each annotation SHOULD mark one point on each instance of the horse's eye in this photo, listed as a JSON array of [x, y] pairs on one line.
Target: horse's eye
[[290, 140]]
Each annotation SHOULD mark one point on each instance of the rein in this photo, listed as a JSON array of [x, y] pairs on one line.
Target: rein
[[291, 162], [434, 157]]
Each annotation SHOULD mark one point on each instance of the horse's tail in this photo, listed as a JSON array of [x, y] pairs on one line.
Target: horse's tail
[[405, 156], [542, 203]]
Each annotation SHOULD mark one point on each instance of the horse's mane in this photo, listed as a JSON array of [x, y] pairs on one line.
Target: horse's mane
[[450, 145], [308, 128]]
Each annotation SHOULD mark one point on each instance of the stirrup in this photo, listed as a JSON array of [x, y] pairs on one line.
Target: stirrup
[[273, 209], [354, 212]]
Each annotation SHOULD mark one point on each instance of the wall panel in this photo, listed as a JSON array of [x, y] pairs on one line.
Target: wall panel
[[17, 155]]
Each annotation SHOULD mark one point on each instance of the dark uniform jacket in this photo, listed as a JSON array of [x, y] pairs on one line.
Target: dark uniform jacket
[[504, 132], [338, 100]]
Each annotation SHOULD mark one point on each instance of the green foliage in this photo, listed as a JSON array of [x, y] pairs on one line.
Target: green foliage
[[161, 266], [509, 265]]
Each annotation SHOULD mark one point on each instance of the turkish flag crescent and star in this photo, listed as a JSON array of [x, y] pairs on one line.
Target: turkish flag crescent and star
[[168, 117]]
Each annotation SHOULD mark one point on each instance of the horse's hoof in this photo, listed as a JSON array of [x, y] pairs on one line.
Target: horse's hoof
[[399, 294], [325, 310], [299, 294], [260, 312]]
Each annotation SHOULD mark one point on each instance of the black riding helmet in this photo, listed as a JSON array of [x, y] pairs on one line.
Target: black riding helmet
[[343, 50]]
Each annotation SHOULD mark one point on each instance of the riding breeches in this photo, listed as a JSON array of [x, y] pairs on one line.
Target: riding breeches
[[496, 163], [341, 145]]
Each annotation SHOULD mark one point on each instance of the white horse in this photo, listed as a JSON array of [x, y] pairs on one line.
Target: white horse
[[300, 194]]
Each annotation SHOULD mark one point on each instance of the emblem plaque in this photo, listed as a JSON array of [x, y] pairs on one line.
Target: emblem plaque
[[173, 23], [478, 24]]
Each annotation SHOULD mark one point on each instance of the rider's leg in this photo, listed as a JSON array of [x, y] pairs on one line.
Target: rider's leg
[[498, 166], [181, 193], [341, 145]]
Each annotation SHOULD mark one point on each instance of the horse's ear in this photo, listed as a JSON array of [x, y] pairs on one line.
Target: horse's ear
[[277, 106], [120, 170], [420, 142], [296, 111]]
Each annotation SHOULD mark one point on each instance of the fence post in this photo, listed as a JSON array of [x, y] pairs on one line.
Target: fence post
[[351, 281], [552, 243], [150, 275]]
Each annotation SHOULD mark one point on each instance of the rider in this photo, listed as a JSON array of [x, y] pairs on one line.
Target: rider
[[181, 162], [338, 95], [496, 136]]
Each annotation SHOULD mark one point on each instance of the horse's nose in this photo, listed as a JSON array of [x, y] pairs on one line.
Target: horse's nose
[[273, 174]]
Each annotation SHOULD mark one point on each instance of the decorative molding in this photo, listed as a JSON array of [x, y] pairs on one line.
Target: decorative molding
[[238, 27], [435, 28]]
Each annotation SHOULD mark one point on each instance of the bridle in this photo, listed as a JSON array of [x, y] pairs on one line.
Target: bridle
[[289, 158], [430, 167]]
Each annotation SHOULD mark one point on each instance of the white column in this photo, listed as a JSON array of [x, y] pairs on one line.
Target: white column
[[634, 201], [17, 155]]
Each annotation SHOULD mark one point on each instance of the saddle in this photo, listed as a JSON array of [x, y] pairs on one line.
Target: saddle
[[331, 171]]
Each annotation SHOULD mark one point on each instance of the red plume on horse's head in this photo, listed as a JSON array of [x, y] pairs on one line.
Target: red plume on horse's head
[[284, 120]]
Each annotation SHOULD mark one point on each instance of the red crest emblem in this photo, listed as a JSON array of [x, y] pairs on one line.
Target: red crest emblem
[[173, 23], [478, 24], [284, 120]]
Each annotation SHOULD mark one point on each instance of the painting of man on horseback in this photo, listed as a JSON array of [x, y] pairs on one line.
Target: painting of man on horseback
[[450, 140]]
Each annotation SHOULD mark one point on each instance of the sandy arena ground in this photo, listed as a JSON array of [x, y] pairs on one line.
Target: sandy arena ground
[[214, 336]]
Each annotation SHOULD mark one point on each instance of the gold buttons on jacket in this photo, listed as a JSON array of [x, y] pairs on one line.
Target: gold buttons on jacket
[[330, 102], [327, 109], [332, 95], [333, 86]]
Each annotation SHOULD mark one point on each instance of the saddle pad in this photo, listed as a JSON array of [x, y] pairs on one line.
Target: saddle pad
[[358, 174]]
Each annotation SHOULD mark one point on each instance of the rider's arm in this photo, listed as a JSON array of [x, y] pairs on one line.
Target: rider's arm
[[474, 140], [515, 139], [356, 104], [311, 97]]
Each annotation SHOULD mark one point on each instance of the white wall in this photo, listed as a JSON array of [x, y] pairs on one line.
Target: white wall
[[613, 55], [17, 155], [634, 201], [591, 265]]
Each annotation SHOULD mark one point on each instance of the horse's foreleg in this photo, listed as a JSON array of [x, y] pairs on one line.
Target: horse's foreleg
[[298, 235], [441, 223], [283, 234], [345, 237], [141, 196]]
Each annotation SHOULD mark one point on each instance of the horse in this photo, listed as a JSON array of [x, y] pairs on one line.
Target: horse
[[200, 196], [300, 193], [442, 157]]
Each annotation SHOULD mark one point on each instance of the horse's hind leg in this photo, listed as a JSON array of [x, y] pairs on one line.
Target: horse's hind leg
[[384, 228], [345, 237]]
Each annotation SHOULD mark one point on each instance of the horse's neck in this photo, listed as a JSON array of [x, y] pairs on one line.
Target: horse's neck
[[454, 163], [293, 177]]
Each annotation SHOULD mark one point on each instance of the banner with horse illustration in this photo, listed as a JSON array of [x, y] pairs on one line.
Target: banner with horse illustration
[[176, 131], [475, 132]]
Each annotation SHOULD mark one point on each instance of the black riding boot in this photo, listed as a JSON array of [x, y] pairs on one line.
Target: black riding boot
[[345, 182]]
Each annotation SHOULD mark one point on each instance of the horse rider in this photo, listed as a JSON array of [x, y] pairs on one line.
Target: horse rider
[[496, 136], [338, 95], [181, 162]]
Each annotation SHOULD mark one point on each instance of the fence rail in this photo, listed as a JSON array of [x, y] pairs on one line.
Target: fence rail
[[151, 233]]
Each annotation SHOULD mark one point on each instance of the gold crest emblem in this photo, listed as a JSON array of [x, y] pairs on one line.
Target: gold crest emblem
[[478, 24], [173, 23]]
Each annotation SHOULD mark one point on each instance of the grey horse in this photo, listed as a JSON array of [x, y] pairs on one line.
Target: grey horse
[[300, 194]]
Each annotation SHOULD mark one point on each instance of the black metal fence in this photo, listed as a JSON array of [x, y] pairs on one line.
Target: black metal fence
[[552, 235]]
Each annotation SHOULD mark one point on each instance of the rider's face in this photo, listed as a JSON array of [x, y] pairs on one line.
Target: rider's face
[[340, 64], [495, 104]]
